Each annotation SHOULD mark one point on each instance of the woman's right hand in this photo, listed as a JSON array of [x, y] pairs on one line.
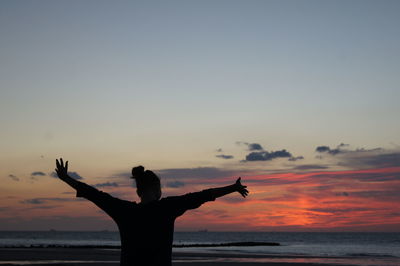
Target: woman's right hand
[[240, 188], [62, 170]]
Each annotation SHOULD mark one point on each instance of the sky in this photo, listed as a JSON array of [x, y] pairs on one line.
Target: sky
[[299, 98]]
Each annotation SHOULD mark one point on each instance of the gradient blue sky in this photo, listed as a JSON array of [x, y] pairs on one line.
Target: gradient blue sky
[[112, 84]]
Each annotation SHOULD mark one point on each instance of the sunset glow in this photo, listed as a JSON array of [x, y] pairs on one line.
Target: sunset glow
[[301, 100]]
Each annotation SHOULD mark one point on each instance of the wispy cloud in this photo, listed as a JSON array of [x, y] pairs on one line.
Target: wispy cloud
[[38, 173], [267, 156], [106, 184], [371, 159], [74, 175], [33, 201], [251, 146], [293, 159], [360, 158], [13, 177], [45, 200], [224, 156], [175, 184], [310, 167]]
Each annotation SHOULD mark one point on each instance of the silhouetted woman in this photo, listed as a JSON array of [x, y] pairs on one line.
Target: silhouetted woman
[[146, 228]]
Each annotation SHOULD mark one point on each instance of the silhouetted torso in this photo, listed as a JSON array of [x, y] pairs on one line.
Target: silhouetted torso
[[146, 230]]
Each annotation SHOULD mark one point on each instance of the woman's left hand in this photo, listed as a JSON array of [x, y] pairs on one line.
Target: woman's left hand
[[240, 188]]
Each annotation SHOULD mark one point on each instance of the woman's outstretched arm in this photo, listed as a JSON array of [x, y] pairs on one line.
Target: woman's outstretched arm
[[103, 200], [222, 191], [180, 204]]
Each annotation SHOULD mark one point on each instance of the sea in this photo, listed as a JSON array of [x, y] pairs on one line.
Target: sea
[[350, 248]]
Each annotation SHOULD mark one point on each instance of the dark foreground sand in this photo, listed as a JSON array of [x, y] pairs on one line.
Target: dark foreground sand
[[110, 257]]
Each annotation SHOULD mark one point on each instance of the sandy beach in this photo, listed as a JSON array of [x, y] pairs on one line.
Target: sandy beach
[[110, 257]]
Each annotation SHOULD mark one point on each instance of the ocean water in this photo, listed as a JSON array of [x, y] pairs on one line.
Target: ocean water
[[358, 248]]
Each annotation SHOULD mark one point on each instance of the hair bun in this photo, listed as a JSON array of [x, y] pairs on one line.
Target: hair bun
[[137, 171]]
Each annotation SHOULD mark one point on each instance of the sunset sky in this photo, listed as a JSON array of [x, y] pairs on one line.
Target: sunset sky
[[299, 98]]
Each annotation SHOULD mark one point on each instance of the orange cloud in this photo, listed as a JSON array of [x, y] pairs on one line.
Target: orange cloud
[[306, 201]]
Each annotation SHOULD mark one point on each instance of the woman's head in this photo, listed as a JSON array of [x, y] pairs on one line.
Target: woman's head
[[148, 185]]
